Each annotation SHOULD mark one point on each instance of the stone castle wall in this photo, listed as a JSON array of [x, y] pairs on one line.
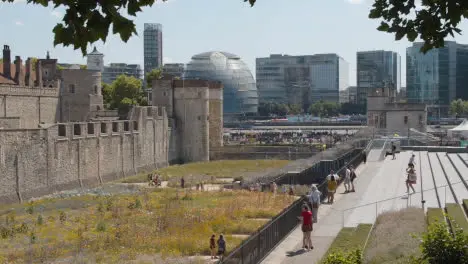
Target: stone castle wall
[[35, 162], [32, 105]]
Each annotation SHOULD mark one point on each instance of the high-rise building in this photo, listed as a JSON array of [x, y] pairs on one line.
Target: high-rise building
[[377, 69], [438, 76], [95, 60], [174, 69], [352, 92], [113, 71], [301, 79], [152, 46]]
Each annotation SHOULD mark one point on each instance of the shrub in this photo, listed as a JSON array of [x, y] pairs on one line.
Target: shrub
[[101, 226], [135, 205], [32, 237], [440, 246], [30, 209], [62, 217], [340, 257], [40, 220]]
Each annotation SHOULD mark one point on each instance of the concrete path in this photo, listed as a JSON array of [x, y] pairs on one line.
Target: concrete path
[[330, 221]]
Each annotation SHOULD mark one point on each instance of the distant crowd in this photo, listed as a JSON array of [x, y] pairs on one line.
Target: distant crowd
[[268, 138]]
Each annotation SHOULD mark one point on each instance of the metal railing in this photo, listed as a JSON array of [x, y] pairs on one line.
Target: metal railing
[[262, 242], [437, 191]]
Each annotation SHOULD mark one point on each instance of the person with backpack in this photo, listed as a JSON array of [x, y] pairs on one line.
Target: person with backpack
[[314, 201]]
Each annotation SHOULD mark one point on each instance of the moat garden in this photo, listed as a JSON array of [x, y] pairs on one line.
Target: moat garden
[[124, 222]]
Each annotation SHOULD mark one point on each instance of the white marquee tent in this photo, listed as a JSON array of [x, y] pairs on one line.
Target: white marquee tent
[[459, 131]]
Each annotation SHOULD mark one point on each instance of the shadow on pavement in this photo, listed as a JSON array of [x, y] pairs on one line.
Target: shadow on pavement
[[295, 253]]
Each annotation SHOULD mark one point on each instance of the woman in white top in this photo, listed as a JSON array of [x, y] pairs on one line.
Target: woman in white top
[[314, 200]]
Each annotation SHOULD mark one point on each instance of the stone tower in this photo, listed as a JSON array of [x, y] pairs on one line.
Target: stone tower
[[95, 61]]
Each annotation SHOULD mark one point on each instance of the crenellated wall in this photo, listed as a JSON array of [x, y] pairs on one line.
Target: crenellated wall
[[35, 162]]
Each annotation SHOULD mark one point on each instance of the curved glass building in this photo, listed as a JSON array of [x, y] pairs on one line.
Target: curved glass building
[[240, 92]]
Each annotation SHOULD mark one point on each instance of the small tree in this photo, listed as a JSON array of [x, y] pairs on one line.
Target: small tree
[[154, 74]]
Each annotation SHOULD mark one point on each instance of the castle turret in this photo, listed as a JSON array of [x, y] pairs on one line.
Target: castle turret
[[6, 62], [39, 73], [19, 71], [28, 74]]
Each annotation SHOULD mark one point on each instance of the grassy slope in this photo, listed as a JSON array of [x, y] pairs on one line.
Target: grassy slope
[[455, 213], [349, 238], [216, 169], [435, 215], [392, 239], [167, 222]]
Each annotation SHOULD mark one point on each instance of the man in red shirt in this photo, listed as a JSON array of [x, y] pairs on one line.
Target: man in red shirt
[[306, 217]]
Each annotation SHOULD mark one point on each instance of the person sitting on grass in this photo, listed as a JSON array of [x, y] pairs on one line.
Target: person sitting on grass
[[213, 247], [221, 246]]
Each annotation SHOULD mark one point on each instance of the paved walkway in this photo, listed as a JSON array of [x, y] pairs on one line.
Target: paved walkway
[[330, 221]]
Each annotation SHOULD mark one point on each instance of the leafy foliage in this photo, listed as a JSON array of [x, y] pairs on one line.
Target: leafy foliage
[[351, 257], [459, 108], [123, 93], [352, 109], [273, 109], [154, 74], [325, 109], [433, 21], [86, 22], [440, 246]]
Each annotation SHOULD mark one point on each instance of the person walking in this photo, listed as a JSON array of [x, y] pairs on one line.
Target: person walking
[[221, 246], [307, 227], [364, 156], [411, 179], [213, 246], [393, 151], [332, 185], [182, 183], [353, 177], [347, 180], [314, 200]]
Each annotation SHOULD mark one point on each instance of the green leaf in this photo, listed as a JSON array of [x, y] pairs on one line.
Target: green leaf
[[412, 35], [383, 27], [400, 34]]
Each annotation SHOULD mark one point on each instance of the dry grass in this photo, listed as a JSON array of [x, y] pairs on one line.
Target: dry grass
[[209, 171], [391, 240], [121, 228]]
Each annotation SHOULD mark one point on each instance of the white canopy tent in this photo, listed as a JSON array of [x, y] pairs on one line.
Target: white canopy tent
[[459, 131]]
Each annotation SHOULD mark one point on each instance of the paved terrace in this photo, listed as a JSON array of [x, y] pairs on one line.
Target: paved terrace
[[378, 181]]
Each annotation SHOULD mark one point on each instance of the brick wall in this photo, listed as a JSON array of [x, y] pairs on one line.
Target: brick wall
[[35, 162]]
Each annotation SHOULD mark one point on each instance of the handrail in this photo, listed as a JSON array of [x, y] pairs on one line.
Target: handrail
[[447, 178], [421, 176], [433, 179], [395, 197]]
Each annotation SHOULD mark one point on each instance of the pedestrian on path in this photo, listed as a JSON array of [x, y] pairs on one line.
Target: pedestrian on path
[[347, 180], [364, 156], [213, 246], [411, 179], [332, 185], [221, 246], [393, 151], [353, 177], [182, 183], [314, 200], [306, 218]]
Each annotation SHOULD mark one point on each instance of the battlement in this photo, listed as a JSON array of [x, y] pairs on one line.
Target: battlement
[[16, 90], [70, 131]]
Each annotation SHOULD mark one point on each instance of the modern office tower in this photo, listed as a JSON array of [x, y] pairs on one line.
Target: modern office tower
[[301, 79], [271, 74], [329, 73], [437, 77], [377, 69], [113, 71], [352, 92], [152, 46], [174, 69], [239, 93]]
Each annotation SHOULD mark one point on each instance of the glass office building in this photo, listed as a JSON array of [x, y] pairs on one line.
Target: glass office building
[[437, 77], [240, 92], [377, 69], [152, 46]]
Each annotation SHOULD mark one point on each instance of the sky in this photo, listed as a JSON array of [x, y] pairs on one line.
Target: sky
[[299, 27]]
